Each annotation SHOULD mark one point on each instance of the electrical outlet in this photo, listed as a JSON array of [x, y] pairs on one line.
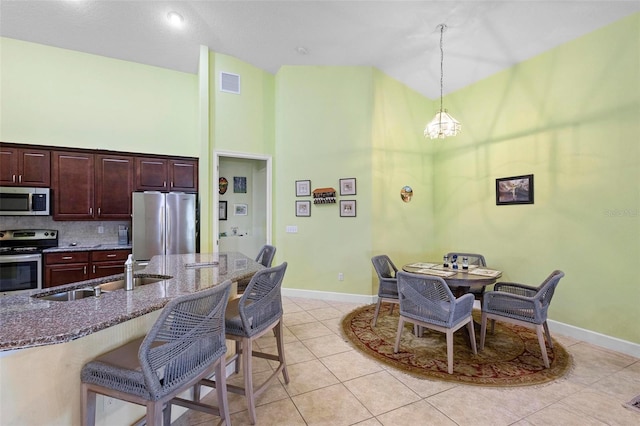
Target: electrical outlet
[[340, 276]]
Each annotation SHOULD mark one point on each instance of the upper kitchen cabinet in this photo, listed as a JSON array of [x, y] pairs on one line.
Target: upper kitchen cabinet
[[73, 185], [25, 167], [91, 187], [114, 185], [166, 174]]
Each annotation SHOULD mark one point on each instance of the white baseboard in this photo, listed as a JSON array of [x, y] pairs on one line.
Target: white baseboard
[[598, 339], [608, 342]]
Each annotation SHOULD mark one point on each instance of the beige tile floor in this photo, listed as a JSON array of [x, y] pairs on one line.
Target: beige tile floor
[[332, 384]]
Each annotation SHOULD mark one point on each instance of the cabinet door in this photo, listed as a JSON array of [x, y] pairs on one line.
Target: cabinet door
[[114, 185], [8, 166], [183, 175], [73, 186], [151, 174], [35, 167], [25, 167], [65, 274]]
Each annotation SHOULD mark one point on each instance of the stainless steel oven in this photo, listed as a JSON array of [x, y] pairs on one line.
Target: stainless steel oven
[[20, 272], [21, 258]]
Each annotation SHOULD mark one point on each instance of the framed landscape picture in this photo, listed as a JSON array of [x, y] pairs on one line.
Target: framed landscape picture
[[514, 190], [240, 209]]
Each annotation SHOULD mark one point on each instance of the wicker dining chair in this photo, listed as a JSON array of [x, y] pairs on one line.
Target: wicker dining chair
[[185, 344], [248, 318], [265, 258], [387, 283], [522, 305], [427, 301], [474, 259]]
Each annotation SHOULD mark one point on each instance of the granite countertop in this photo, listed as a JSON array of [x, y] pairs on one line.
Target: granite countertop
[[68, 248], [28, 321]]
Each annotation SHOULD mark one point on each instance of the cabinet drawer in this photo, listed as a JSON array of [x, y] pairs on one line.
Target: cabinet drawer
[[66, 257], [109, 255]]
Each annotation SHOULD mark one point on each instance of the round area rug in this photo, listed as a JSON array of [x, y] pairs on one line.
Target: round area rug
[[511, 355]]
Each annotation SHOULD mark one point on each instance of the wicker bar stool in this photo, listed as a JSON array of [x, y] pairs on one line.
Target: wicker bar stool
[[248, 318], [186, 343]]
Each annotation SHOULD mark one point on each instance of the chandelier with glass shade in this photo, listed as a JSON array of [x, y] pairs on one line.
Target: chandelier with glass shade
[[443, 124]]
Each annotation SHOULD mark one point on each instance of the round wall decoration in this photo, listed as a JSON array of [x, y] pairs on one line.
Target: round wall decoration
[[406, 193]]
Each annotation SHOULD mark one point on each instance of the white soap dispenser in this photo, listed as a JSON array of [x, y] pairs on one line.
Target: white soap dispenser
[[128, 273]]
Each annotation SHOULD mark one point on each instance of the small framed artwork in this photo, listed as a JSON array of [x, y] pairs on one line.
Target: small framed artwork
[[303, 208], [347, 208], [240, 209], [303, 188], [348, 186], [240, 184], [514, 190], [222, 210]]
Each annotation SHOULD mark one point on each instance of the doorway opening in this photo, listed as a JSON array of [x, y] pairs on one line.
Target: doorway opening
[[243, 196]]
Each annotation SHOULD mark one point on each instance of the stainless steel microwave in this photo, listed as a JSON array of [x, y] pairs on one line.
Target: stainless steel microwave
[[23, 201]]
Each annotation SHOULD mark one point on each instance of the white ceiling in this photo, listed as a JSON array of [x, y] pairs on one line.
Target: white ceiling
[[401, 38]]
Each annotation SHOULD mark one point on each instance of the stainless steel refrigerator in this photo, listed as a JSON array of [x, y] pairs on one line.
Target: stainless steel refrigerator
[[163, 223]]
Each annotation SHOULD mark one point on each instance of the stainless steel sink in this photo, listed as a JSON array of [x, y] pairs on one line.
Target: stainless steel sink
[[65, 296], [83, 293], [137, 281]]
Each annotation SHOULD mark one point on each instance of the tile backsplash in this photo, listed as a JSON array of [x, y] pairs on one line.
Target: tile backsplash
[[83, 233]]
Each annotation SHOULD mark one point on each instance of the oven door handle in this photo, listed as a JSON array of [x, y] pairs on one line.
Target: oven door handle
[[20, 258]]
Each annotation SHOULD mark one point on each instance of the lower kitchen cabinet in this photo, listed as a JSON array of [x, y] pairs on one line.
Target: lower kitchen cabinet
[[69, 267], [65, 268], [107, 262]]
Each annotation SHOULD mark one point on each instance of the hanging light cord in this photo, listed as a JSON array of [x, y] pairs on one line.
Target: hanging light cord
[[441, 77]]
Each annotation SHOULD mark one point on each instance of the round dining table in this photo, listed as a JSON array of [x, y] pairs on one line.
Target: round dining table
[[459, 280]]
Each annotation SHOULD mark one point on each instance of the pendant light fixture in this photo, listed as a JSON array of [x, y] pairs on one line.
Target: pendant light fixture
[[443, 124]]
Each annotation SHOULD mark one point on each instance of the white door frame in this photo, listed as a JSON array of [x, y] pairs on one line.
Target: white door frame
[[216, 176]]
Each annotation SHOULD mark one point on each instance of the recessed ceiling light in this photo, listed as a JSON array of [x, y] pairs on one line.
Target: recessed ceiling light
[[175, 19]]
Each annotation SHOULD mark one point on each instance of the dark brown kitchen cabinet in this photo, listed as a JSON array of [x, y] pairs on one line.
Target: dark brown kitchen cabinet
[[70, 267], [65, 268], [25, 167], [113, 186], [107, 262], [166, 174], [91, 187], [73, 185]]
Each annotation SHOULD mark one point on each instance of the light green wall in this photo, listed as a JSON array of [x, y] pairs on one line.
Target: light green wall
[[60, 97], [244, 122], [323, 134], [570, 116], [400, 157]]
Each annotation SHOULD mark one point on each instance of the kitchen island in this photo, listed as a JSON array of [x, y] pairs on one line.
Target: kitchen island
[[45, 343]]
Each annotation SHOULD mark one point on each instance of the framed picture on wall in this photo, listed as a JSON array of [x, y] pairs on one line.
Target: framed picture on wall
[[240, 209], [240, 184], [303, 208], [347, 208], [514, 190], [348, 186], [303, 188], [222, 210]]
